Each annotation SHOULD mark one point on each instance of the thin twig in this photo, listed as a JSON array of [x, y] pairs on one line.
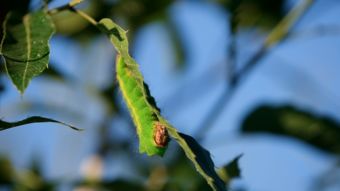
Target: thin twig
[[68, 6], [231, 63], [280, 32], [232, 59], [275, 37], [85, 16]]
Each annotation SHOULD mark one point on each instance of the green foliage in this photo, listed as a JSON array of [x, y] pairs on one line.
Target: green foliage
[[145, 113], [317, 131], [199, 157], [25, 47], [35, 119], [181, 176], [142, 106]]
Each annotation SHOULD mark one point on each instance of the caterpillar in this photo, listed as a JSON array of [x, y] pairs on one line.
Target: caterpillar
[[151, 127], [152, 133]]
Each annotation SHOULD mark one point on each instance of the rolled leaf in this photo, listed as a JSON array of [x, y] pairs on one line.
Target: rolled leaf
[[146, 115]]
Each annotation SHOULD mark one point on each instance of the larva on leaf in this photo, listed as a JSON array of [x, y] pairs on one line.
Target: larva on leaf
[[153, 136], [152, 129], [141, 104]]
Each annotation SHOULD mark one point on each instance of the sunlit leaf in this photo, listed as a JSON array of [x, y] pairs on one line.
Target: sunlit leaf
[[25, 46], [317, 131], [141, 104], [146, 114]]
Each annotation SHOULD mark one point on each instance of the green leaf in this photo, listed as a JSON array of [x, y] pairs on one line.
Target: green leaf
[[146, 114], [231, 170], [34, 119], [25, 46], [320, 132], [199, 156], [181, 175]]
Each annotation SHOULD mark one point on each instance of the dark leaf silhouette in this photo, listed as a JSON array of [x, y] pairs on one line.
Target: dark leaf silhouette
[[231, 170], [318, 131], [35, 119]]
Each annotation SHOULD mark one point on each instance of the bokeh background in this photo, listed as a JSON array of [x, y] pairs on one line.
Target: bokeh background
[[283, 114]]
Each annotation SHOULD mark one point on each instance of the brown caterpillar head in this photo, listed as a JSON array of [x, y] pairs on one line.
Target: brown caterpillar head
[[160, 135]]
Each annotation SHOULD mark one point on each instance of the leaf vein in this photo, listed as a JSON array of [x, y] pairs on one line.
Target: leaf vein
[[28, 41]]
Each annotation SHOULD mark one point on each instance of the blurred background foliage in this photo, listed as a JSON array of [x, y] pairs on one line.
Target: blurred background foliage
[[114, 148]]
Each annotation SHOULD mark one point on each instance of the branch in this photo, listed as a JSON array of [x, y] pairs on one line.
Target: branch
[[85, 16], [68, 6], [275, 37]]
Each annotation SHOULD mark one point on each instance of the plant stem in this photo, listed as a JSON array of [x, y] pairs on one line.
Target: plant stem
[[280, 32], [85, 16], [68, 6], [276, 36]]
